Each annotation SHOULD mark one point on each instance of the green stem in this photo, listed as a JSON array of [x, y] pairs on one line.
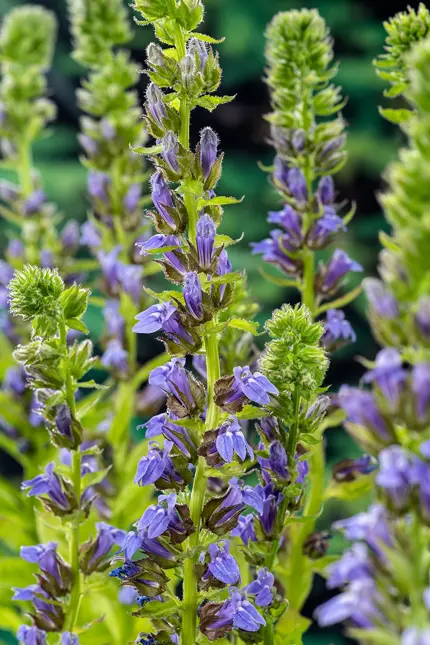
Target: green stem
[[191, 206], [75, 594], [308, 294], [25, 180], [190, 604]]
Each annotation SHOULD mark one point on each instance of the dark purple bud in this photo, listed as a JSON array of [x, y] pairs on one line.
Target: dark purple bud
[[132, 197], [193, 295], [280, 172], [382, 302], [63, 422], [422, 317], [31, 636], [34, 202], [326, 190], [389, 376], [115, 357], [170, 151], [297, 186], [208, 150], [395, 476], [162, 197], [154, 318], [90, 146], [338, 330], [222, 565], [261, 588], [338, 267], [155, 105], [360, 407], [245, 529], [199, 50], [421, 390], [98, 185], [205, 240]]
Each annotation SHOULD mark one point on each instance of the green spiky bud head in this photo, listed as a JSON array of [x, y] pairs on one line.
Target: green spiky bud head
[[418, 65], [404, 30], [35, 295], [27, 37], [293, 359]]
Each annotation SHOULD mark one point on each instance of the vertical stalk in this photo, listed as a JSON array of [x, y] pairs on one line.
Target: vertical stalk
[[75, 595], [24, 176], [189, 622]]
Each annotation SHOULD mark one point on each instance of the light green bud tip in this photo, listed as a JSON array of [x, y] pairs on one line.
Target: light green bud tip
[[293, 359], [297, 42], [418, 65], [27, 37], [35, 293]]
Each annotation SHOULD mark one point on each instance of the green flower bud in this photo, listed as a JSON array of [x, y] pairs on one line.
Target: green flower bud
[[27, 37], [35, 295], [74, 301]]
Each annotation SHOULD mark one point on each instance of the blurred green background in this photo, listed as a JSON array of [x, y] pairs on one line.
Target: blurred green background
[[356, 26]]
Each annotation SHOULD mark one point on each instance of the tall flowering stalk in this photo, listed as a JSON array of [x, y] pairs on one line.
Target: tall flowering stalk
[[385, 574], [308, 136], [111, 125]]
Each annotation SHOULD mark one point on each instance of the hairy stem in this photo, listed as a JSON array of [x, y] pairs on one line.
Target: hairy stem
[[189, 623], [75, 595]]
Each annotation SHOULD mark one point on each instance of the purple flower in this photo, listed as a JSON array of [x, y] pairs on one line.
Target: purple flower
[[70, 236], [205, 240], [395, 475], [193, 295], [353, 565], [208, 150], [222, 565], [302, 470], [155, 105], [357, 604], [130, 545], [114, 320], [388, 375], [422, 317], [161, 424], [108, 129], [339, 265], [45, 555], [130, 277], [256, 387], [157, 464], [421, 477], [173, 379], [15, 249], [128, 596], [235, 612], [90, 146], [158, 518], [15, 381], [421, 389], [231, 440], [297, 186], [48, 484], [98, 185], [265, 500], [323, 229], [245, 529], [200, 50], [337, 329], [261, 588], [326, 190], [170, 151], [276, 251], [132, 197], [382, 301], [153, 318], [415, 636], [90, 235], [277, 461], [34, 202], [31, 636], [280, 172], [68, 638], [63, 422], [162, 197], [371, 526], [115, 356], [291, 222], [110, 266], [360, 408], [107, 536], [350, 469]]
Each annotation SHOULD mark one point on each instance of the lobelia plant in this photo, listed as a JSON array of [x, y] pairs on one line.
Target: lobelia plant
[[309, 139], [385, 574], [112, 123]]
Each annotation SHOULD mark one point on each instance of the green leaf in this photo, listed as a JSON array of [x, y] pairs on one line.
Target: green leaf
[[374, 636], [361, 487], [75, 323], [340, 302], [309, 439], [291, 627], [208, 39], [252, 412], [211, 102], [226, 240], [89, 385], [220, 201], [246, 325], [228, 278], [91, 479], [159, 609], [153, 150], [396, 116], [280, 282], [9, 619]]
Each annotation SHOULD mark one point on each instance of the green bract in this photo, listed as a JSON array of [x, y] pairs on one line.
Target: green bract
[[35, 292]]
